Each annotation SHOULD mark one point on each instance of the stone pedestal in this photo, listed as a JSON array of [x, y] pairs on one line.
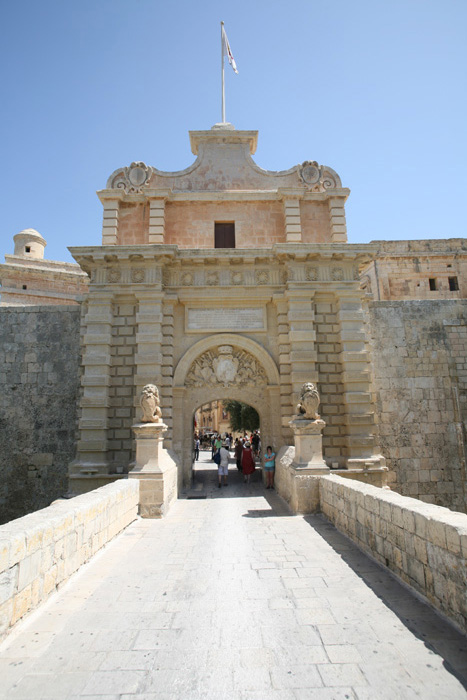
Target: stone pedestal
[[308, 437], [156, 470], [300, 467]]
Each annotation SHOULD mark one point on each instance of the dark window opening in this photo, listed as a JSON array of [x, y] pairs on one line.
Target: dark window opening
[[224, 235], [28, 249], [432, 283], [453, 284], [449, 265], [25, 286]]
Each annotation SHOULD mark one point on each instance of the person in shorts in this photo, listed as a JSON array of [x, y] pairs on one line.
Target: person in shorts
[[269, 467]]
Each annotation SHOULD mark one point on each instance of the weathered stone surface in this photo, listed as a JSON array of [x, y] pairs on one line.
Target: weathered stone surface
[[66, 535], [39, 384], [420, 381], [423, 560]]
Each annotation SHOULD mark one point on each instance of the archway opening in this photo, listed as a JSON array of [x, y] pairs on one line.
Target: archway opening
[[232, 429]]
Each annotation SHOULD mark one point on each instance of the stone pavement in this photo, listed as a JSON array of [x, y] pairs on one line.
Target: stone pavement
[[231, 598]]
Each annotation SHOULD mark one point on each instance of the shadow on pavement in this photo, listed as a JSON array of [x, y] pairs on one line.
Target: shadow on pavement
[[438, 635]]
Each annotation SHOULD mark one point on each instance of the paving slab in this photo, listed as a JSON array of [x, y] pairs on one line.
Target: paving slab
[[232, 597]]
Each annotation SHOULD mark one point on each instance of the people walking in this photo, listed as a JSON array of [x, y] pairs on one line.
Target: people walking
[[238, 449], [248, 463], [196, 446], [223, 468]]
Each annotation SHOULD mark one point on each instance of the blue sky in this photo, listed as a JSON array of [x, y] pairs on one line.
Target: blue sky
[[375, 89]]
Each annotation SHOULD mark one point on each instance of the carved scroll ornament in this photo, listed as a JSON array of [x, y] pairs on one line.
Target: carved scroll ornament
[[133, 178], [318, 178]]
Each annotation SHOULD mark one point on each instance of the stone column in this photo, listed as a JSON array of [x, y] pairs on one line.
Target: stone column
[[93, 424], [155, 469], [110, 222], [337, 219], [356, 381]]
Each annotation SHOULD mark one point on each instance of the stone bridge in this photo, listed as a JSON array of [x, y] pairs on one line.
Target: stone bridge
[[231, 596]]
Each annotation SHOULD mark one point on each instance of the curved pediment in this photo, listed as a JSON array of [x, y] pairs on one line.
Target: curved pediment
[[224, 162]]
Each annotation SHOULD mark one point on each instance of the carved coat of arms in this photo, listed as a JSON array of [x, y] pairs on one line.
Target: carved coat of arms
[[225, 365]]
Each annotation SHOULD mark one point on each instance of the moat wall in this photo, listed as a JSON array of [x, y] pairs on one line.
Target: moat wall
[[419, 355], [420, 374], [39, 384]]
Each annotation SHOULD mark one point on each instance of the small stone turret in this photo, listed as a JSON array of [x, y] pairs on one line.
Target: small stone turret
[[29, 244]]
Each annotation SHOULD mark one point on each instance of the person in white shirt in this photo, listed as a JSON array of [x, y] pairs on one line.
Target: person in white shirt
[[223, 469]]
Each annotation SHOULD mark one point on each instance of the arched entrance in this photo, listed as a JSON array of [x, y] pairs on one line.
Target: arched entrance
[[223, 366]]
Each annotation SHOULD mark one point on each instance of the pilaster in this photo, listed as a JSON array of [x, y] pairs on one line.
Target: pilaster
[[293, 226], [337, 220], [156, 220], [167, 367], [286, 401], [93, 424], [110, 222], [148, 355], [356, 381], [302, 338]]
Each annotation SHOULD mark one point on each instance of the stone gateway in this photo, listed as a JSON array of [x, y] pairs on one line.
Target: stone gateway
[[170, 304]]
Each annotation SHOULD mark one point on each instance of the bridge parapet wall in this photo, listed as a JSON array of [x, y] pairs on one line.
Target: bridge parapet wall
[[423, 544], [40, 551]]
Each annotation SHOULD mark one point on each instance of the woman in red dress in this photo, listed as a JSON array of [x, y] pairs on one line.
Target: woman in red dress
[[248, 463]]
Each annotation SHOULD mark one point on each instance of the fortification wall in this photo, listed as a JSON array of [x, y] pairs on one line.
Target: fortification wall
[[39, 384], [419, 351]]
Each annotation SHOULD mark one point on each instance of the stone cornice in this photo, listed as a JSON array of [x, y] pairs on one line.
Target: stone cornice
[[222, 195]]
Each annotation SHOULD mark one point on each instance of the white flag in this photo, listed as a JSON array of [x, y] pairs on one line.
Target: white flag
[[226, 50]]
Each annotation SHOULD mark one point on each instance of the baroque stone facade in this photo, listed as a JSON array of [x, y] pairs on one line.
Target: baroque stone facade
[[170, 304]]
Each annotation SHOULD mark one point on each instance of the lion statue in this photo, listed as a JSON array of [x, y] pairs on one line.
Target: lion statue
[[149, 402], [308, 402]]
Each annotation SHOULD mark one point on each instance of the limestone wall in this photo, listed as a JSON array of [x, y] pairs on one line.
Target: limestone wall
[[39, 552], [423, 544], [39, 383], [419, 351]]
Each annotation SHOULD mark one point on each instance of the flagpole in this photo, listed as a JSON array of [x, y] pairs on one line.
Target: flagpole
[[223, 79]]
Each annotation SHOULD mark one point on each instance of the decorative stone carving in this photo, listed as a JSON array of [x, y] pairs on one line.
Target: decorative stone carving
[[309, 400], [262, 276], [212, 278], [356, 274], [227, 366], [133, 178], [318, 178], [150, 403], [311, 274], [337, 274], [137, 275], [113, 275], [187, 279], [166, 277], [236, 277]]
